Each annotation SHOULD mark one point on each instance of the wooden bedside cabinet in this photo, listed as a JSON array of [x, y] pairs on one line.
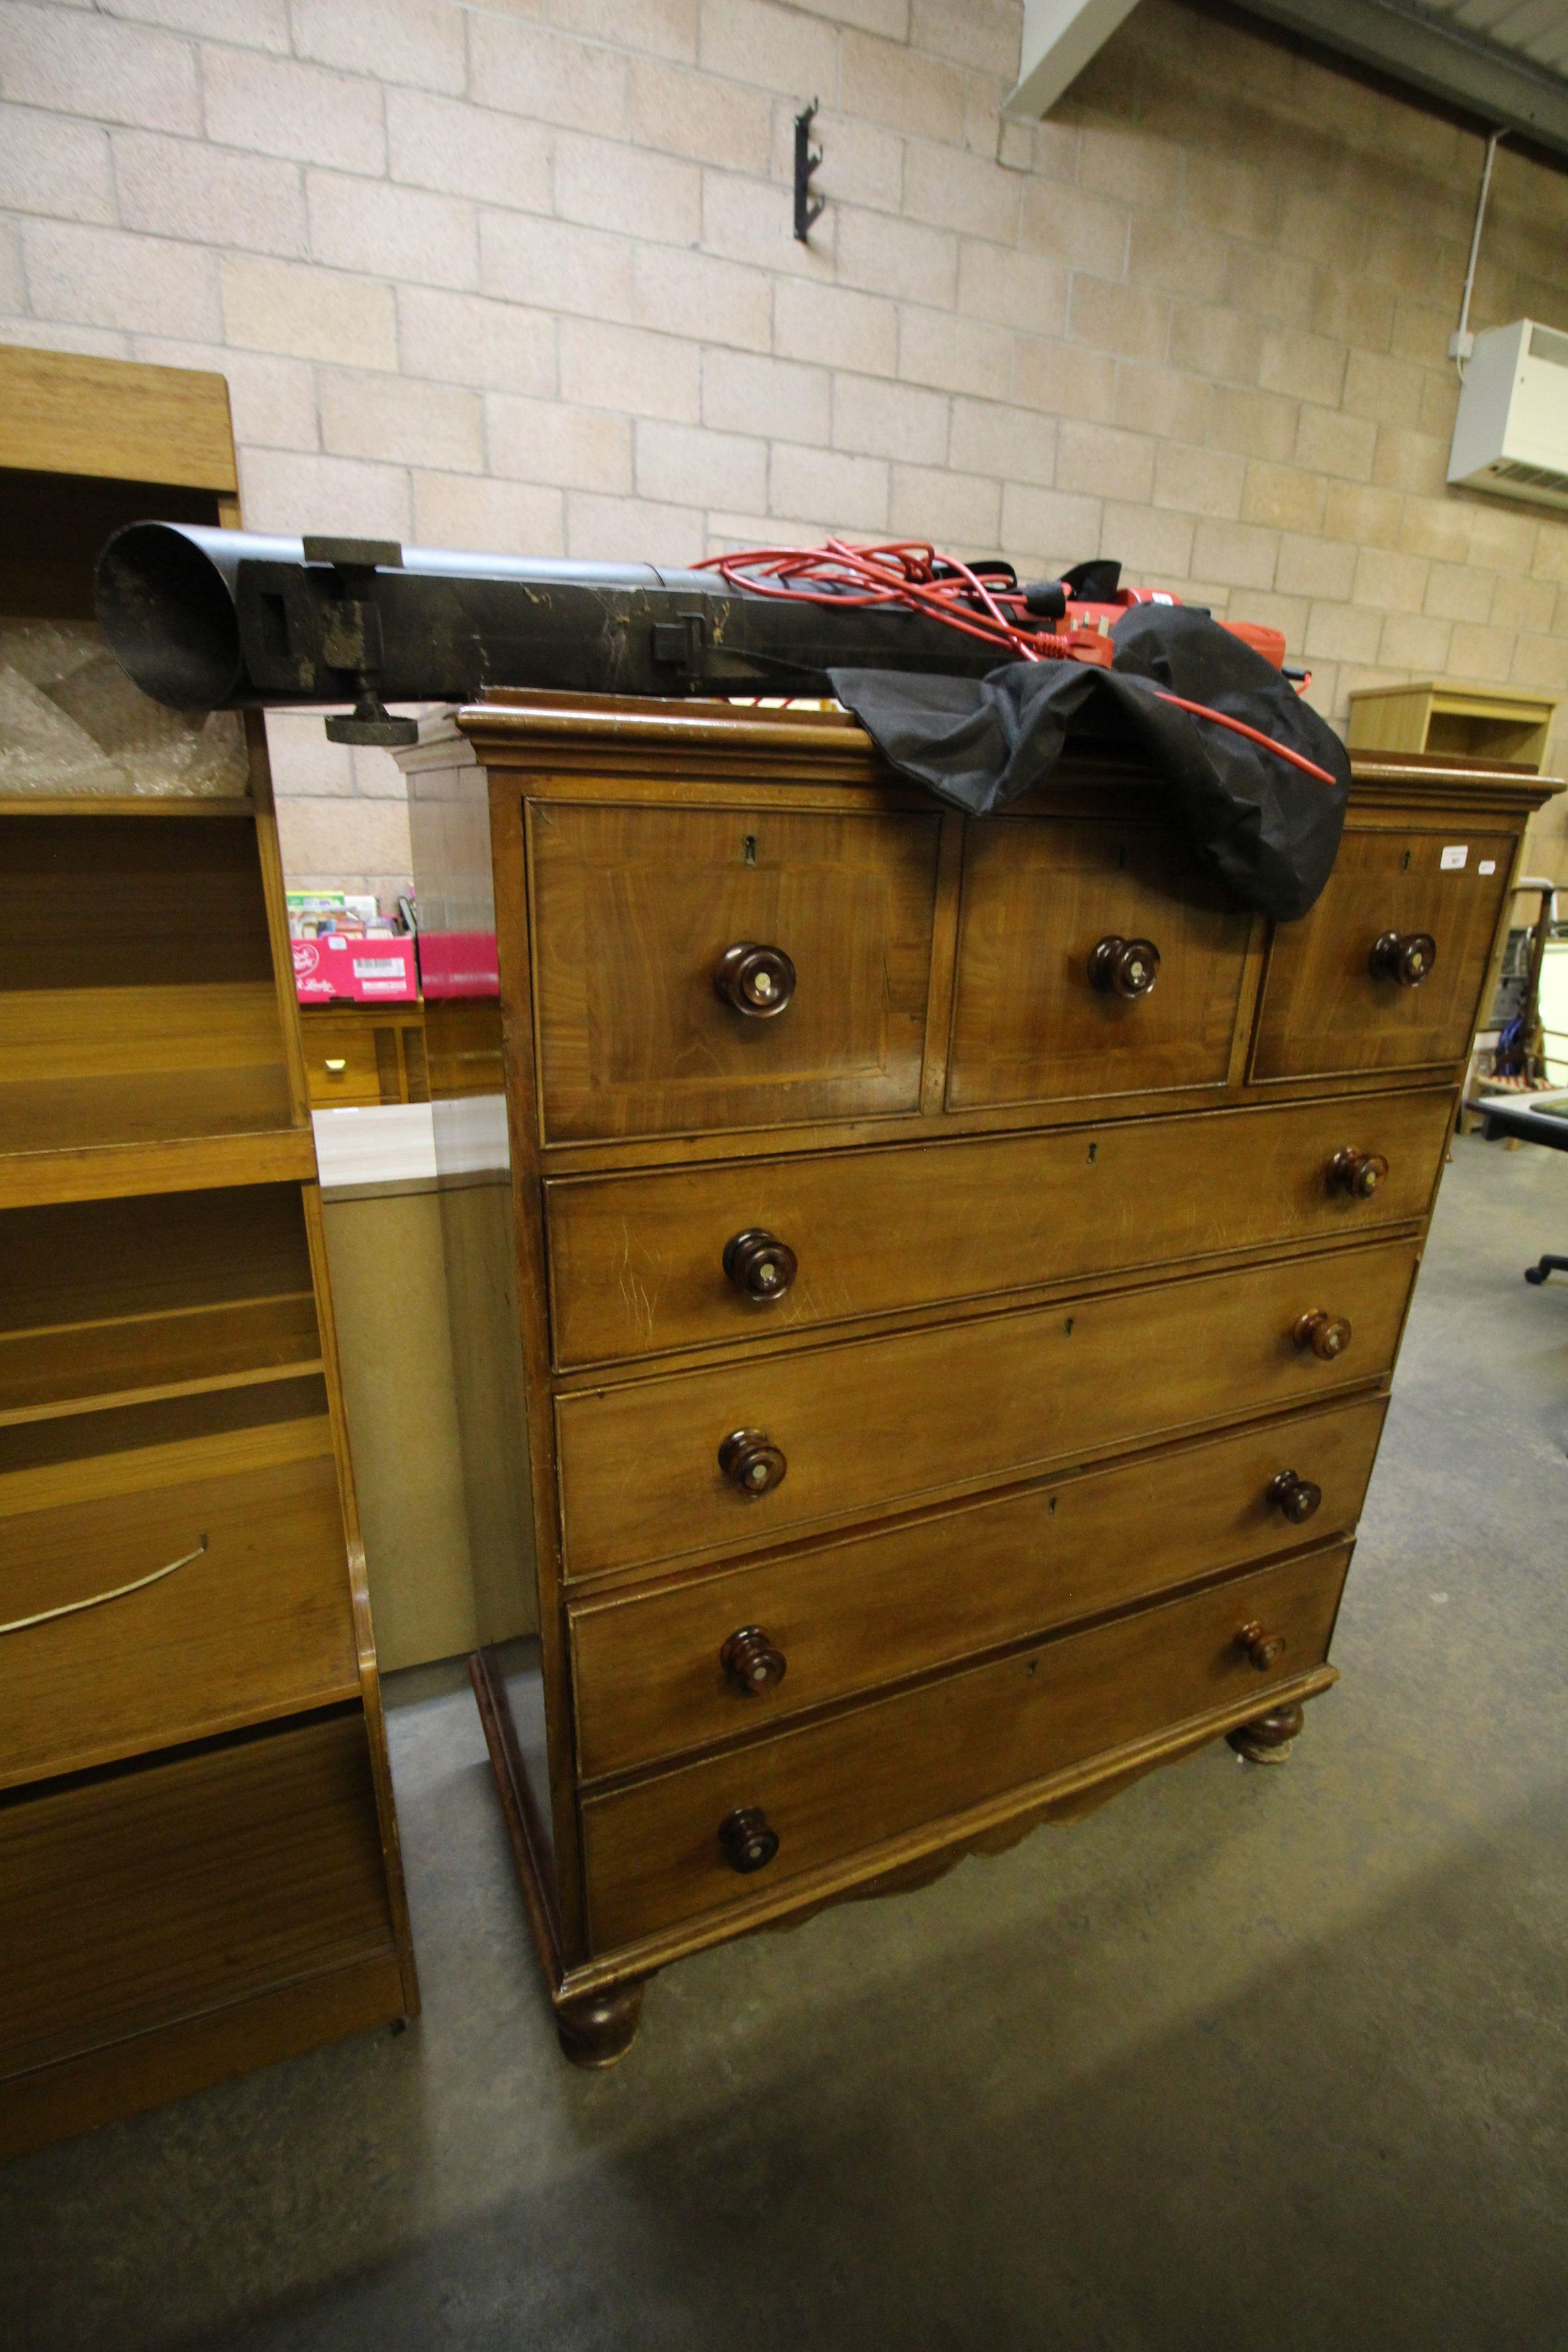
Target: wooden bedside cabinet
[[927, 1347]]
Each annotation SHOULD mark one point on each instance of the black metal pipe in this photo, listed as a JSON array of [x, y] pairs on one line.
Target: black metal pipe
[[209, 619]]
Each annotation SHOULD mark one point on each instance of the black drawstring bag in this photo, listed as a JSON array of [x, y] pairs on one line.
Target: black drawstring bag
[[1268, 830]]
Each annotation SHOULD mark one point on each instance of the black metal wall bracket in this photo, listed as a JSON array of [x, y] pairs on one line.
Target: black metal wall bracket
[[806, 163]]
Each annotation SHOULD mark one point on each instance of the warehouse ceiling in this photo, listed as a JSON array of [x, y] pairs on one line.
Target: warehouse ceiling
[[1505, 62]]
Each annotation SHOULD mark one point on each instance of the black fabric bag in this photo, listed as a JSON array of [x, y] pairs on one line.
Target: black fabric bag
[[1270, 831]]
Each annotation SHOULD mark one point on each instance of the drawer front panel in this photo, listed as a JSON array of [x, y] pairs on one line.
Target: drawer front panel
[[1028, 1026], [653, 1851], [345, 1059], [1325, 1011], [157, 1895], [647, 1674], [873, 1424], [257, 1625], [638, 1261], [634, 910]]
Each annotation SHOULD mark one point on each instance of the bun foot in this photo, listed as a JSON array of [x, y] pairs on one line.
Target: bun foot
[[597, 2029], [1267, 1739]]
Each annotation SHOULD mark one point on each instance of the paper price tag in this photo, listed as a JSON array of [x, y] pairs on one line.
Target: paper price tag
[[1455, 856]]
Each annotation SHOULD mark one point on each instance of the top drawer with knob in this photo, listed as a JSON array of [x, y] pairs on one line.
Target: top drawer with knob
[[1385, 971], [1093, 959], [708, 968]]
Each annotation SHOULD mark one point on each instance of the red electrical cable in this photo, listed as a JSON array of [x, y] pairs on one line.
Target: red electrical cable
[[909, 574]]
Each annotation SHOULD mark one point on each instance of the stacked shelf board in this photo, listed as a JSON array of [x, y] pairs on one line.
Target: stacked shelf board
[[198, 1851]]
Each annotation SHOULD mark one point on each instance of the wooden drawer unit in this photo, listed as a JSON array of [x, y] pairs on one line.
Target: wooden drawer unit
[[872, 1424], [659, 1672], [667, 1848], [1385, 973], [640, 1263], [635, 911], [926, 1384], [131, 1903], [253, 1621], [343, 1064], [363, 1055], [1041, 1007]]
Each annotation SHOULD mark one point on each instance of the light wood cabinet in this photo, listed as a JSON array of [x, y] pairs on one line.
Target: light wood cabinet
[[198, 1848]]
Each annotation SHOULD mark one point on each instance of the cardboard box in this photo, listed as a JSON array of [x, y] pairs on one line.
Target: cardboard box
[[366, 970]]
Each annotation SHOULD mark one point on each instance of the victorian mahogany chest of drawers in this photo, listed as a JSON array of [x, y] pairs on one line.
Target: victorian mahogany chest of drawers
[[926, 1334]]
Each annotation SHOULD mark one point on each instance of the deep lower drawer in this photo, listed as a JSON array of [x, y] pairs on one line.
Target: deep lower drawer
[[657, 1673], [863, 1426], [637, 1263], [134, 1899], [256, 1624], [656, 1853]]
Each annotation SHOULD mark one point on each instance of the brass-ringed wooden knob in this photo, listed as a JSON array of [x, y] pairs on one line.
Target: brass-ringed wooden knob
[[1294, 1497], [1406, 957], [751, 1462], [752, 1661], [760, 1266], [1327, 1334], [1263, 1648], [1359, 1173], [1120, 967], [749, 1839], [754, 980]]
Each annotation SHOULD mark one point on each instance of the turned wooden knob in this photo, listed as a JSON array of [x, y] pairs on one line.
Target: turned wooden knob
[[1406, 957], [751, 1461], [1122, 967], [758, 1264], [749, 1839], [751, 1661], [758, 981], [1359, 1173], [1295, 1496], [1264, 1649], [1327, 1334]]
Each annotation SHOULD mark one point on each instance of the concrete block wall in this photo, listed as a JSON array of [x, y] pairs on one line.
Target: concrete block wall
[[522, 276]]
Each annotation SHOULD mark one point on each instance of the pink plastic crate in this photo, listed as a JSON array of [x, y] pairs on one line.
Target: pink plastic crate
[[459, 964]]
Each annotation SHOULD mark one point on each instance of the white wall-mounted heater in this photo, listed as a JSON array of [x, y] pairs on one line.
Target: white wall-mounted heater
[[1511, 436]]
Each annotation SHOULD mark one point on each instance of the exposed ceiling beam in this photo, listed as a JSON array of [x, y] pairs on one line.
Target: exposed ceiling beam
[[1499, 86], [1059, 38]]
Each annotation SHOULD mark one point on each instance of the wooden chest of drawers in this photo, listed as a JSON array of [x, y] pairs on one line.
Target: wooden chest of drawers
[[929, 1373]]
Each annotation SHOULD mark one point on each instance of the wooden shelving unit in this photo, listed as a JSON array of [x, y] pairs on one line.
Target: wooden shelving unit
[[1455, 722], [198, 1850]]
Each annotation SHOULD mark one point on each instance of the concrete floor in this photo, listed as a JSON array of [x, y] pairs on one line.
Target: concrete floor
[[1248, 2057]]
